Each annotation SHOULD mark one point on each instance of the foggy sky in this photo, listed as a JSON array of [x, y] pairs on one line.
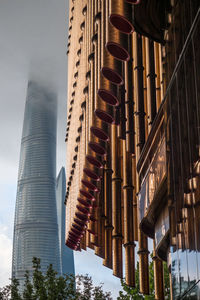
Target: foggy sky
[[33, 35], [33, 39]]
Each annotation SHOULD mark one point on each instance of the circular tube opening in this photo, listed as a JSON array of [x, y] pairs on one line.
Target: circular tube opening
[[78, 228], [73, 242], [91, 174], [75, 234], [112, 76], [85, 211], [77, 231], [117, 51], [108, 97], [76, 237], [93, 161], [121, 23], [97, 148], [85, 202], [90, 185], [87, 195], [93, 219], [104, 116], [133, 1], [80, 223], [71, 245], [81, 216], [98, 132]]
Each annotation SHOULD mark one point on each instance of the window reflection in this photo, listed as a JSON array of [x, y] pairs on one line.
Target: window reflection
[[153, 179]]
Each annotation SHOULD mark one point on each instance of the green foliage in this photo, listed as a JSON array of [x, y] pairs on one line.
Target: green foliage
[[5, 292], [130, 293], [86, 290], [28, 288], [50, 286], [15, 295], [38, 281]]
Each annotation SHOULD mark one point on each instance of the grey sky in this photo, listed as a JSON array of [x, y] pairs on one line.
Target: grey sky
[[33, 38]]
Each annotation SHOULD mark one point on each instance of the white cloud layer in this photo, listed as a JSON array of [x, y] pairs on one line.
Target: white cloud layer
[[6, 256]]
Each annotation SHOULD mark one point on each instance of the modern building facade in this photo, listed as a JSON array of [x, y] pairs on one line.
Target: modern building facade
[[35, 225], [133, 169], [66, 254]]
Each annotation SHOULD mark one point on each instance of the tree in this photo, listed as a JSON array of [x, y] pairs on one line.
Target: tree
[[38, 281], [15, 295], [50, 286], [130, 293], [28, 288], [5, 292]]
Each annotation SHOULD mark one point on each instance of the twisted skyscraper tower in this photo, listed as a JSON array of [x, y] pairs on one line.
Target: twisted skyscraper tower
[[36, 226]]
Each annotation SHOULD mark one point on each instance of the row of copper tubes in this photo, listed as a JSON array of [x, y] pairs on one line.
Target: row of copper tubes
[[118, 111]]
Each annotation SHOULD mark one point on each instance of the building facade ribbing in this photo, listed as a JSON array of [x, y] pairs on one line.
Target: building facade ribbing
[[133, 165]]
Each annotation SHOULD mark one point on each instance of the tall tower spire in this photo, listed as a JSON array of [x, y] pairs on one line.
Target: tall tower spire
[[35, 226]]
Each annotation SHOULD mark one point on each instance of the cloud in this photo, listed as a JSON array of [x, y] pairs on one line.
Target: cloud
[[33, 46], [6, 256]]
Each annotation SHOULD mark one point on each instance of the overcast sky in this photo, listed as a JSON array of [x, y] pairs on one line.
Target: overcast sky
[[33, 36]]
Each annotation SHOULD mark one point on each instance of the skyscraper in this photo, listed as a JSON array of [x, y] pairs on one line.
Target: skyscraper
[[66, 254], [133, 134], [35, 225]]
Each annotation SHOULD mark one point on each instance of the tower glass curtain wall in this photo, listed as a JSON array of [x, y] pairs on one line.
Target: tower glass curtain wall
[[66, 254], [35, 225]]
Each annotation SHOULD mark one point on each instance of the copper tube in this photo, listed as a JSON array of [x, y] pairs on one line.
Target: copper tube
[[144, 54], [108, 92], [116, 42], [143, 263], [108, 210], [99, 5], [88, 243], [138, 79], [88, 236], [91, 230], [121, 132], [135, 211], [91, 85], [158, 276], [99, 103], [129, 103], [116, 203], [120, 16], [135, 2], [108, 247], [158, 74], [110, 67], [117, 256], [83, 242], [100, 251], [93, 135], [138, 68], [151, 88], [93, 221], [100, 128], [128, 218], [162, 73]]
